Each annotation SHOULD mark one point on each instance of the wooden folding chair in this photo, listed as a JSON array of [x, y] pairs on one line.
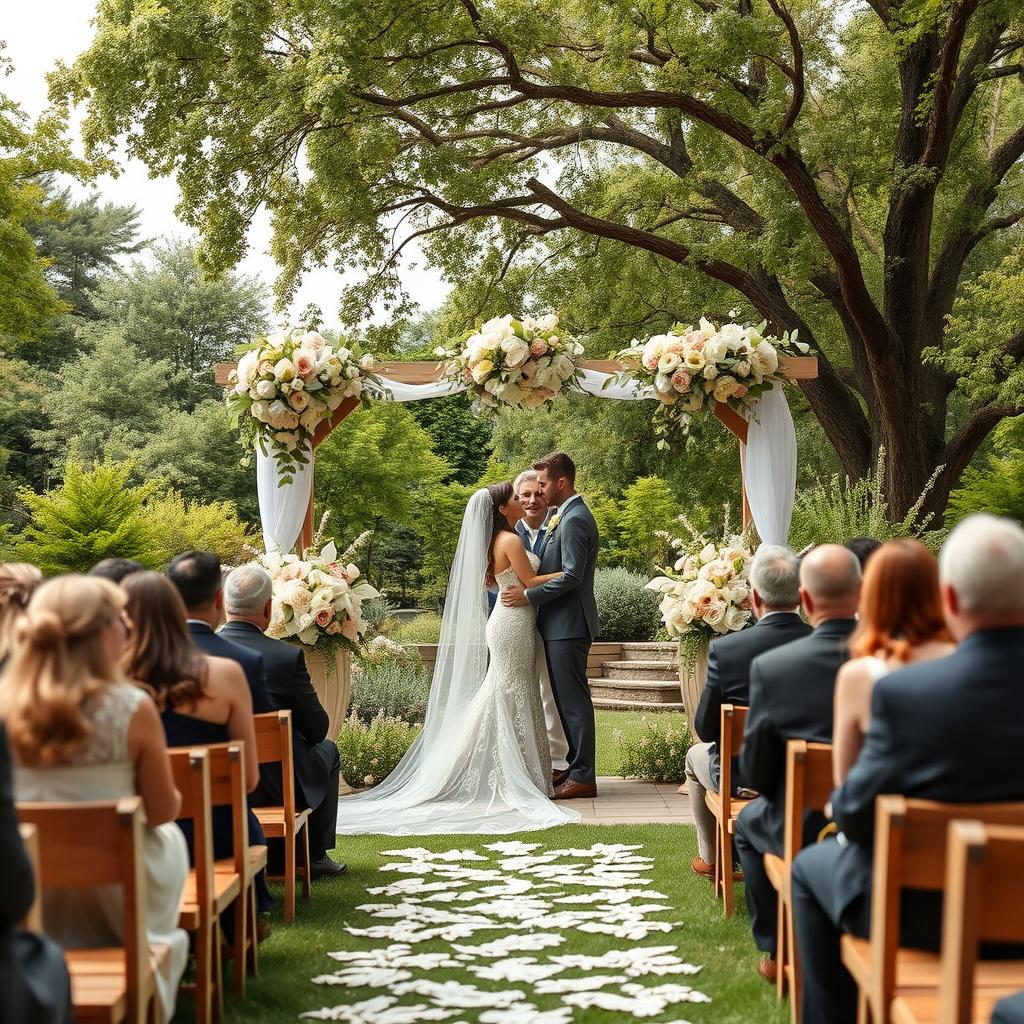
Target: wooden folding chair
[[227, 788], [808, 788], [82, 846], [723, 805], [984, 902], [33, 920], [207, 894], [910, 853], [274, 746]]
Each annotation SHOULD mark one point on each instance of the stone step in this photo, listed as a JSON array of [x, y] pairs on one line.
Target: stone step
[[668, 653], [620, 704], [652, 693], [649, 671]]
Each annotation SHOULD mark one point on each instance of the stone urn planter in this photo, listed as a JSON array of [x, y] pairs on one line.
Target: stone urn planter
[[332, 680], [692, 680]]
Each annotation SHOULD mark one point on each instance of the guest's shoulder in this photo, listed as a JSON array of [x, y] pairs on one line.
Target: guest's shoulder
[[780, 657]]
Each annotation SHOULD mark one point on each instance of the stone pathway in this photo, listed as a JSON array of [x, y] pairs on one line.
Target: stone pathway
[[631, 802]]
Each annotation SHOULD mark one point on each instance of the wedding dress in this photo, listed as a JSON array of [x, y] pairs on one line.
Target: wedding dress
[[481, 763]]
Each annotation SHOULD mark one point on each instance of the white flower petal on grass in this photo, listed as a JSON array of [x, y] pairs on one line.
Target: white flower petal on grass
[[523, 968], [617, 1003], [560, 986], [456, 994], [526, 943], [612, 896], [527, 1013], [380, 1010], [513, 847], [669, 993], [633, 930], [368, 977], [397, 955]]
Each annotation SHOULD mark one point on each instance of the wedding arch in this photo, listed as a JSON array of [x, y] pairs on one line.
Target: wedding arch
[[768, 453]]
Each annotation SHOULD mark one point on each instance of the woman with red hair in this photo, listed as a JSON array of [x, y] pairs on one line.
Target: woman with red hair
[[900, 622]]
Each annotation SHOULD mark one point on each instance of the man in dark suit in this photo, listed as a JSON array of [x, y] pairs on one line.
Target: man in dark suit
[[950, 730], [567, 616], [1009, 1010], [248, 596], [791, 691], [775, 586], [197, 577]]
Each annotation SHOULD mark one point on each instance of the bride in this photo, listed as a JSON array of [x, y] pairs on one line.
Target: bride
[[481, 764]]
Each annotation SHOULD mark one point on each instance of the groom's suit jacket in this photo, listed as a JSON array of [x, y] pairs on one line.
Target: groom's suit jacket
[[566, 606]]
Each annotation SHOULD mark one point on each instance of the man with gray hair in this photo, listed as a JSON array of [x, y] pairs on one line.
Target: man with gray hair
[[950, 730], [775, 584], [248, 597]]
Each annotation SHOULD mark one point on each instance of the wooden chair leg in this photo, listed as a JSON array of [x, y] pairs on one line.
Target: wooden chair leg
[[253, 954], [863, 1013], [218, 971], [306, 868], [204, 974], [240, 943], [781, 951], [725, 870], [289, 875], [718, 859]]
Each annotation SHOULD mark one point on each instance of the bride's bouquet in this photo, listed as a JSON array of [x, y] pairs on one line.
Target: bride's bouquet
[[519, 363], [286, 384], [318, 598], [691, 369], [706, 593]]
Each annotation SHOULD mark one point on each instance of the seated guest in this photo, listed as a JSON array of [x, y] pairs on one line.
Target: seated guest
[[863, 548], [775, 584], [900, 623], [791, 691], [950, 730], [80, 731], [1009, 1010], [248, 597], [197, 577], [18, 581], [115, 569], [201, 699], [33, 976]]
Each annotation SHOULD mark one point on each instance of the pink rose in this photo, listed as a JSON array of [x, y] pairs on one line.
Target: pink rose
[[539, 347], [323, 617], [265, 366], [681, 381], [650, 362], [291, 572], [304, 364], [348, 629], [740, 391]]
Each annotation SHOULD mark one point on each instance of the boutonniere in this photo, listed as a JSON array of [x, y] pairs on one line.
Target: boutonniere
[[553, 522]]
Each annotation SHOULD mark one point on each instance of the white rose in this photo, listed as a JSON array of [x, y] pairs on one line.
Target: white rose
[[310, 419], [768, 357], [742, 368], [725, 388], [691, 401], [735, 619], [246, 371], [343, 354], [652, 351], [710, 372], [548, 322], [669, 363], [284, 370], [715, 350], [261, 410], [714, 614], [266, 389], [366, 362], [563, 366], [516, 354], [693, 361], [277, 409], [732, 336]]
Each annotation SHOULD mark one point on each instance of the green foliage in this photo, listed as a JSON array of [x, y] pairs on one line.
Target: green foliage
[[424, 629], [438, 521], [835, 511], [647, 507], [460, 438], [94, 514], [369, 753], [997, 484], [657, 751], [181, 525], [391, 687], [378, 610], [627, 611]]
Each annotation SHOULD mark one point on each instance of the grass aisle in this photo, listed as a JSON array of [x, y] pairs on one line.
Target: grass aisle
[[294, 954]]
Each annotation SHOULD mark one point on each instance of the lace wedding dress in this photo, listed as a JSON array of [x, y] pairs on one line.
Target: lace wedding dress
[[482, 763]]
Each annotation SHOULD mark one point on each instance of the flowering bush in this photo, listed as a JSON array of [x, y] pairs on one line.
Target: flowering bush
[[656, 752], [369, 753], [285, 385], [317, 598], [398, 687], [690, 369], [707, 591], [521, 363]]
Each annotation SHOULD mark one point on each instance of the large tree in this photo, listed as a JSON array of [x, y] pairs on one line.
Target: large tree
[[847, 173]]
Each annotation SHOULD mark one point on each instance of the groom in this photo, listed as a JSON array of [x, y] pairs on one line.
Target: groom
[[567, 617]]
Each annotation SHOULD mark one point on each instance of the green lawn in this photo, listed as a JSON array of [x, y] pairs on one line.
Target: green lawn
[[627, 722], [296, 953]]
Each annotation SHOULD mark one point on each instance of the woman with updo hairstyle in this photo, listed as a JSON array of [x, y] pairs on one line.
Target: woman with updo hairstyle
[[900, 622], [18, 581], [201, 699], [80, 731]]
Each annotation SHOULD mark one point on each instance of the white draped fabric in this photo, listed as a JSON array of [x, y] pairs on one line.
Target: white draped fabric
[[282, 509], [769, 460]]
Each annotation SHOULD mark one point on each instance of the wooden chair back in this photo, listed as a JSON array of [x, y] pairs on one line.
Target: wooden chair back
[[84, 845], [191, 771], [910, 853], [33, 920], [984, 902], [274, 746], [227, 788], [733, 722]]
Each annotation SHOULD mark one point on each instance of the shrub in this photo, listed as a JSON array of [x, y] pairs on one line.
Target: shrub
[[377, 611], [396, 687], [627, 611], [182, 525], [656, 752], [424, 629], [369, 753]]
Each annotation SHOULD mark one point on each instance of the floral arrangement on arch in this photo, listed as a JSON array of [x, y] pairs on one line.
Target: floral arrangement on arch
[[707, 591], [286, 384], [318, 598], [690, 369], [518, 363]]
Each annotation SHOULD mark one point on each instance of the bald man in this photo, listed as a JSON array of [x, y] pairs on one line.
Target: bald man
[[791, 689]]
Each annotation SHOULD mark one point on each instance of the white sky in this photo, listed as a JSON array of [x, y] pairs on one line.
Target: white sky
[[40, 32]]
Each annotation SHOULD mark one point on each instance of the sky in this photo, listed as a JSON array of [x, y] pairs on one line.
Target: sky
[[38, 33]]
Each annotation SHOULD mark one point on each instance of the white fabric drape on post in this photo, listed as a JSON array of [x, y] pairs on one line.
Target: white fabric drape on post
[[282, 509], [770, 467]]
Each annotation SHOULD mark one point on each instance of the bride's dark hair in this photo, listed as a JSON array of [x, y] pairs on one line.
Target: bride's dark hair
[[501, 494]]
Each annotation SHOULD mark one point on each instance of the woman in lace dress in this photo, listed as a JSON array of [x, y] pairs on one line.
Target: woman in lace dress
[[482, 762], [80, 732]]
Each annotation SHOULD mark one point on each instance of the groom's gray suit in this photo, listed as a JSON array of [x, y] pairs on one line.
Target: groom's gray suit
[[568, 622]]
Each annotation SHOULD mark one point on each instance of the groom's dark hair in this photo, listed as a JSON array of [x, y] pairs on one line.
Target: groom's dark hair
[[558, 464]]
